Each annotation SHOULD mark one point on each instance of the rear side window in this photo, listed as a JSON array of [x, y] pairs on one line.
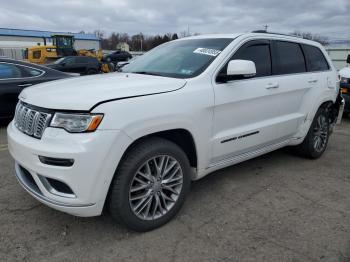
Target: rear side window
[[9, 71], [315, 60], [259, 54], [289, 57], [29, 72]]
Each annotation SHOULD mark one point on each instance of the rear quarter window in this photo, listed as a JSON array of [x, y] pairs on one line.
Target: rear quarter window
[[315, 60], [289, 58]]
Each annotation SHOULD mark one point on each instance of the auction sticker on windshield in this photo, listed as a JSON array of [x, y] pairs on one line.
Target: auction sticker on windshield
[[207, 51]]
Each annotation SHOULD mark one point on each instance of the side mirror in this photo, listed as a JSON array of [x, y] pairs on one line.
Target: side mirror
[[63, 64], [241, 68], [348, 59]]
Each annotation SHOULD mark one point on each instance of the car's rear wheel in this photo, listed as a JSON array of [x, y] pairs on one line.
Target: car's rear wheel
[[91, 72], [316, 140], [150, 185]]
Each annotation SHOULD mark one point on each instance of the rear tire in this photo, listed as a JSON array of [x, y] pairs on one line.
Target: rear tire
[[91, 72], [140, 195], [316, 140]]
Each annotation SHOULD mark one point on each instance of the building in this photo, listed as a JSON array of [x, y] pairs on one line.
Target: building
[[123, 46], [14, 41], [338, 51]]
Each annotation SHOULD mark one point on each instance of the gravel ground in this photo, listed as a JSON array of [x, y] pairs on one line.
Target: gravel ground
[[277, 207]]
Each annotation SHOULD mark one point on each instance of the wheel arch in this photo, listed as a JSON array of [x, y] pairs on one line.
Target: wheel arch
[[179, 136]]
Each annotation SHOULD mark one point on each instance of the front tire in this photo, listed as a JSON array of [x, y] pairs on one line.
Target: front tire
[[150, 185], [316, 140]]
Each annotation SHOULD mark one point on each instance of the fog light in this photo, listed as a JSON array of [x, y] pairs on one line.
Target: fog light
[[56, 161]]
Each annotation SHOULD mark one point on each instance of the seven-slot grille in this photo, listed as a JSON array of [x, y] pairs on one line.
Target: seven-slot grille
[[31, 121]]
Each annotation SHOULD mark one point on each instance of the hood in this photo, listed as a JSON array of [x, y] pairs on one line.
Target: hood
[[52, 65], [82, 93], [345, 72]]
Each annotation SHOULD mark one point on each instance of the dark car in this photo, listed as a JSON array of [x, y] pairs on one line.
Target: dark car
[[345, 88], [118, 56], [17, 75], [84, 65]]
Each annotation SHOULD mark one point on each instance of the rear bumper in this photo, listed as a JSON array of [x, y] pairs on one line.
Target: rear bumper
[[347, 103]]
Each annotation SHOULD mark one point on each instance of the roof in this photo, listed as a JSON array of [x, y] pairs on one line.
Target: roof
[[46, 34], [267, 35]]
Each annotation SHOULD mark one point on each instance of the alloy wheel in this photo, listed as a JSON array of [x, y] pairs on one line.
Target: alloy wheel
[[320, 133], [156, 187]]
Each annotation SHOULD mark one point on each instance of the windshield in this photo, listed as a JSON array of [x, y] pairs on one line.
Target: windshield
[[179, 59], [58, 61]]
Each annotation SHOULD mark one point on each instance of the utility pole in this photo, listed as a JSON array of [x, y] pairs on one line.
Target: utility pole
[[266, 27], [141, 41]]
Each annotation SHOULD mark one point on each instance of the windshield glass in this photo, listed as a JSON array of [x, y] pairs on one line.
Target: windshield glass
[[179, 59], [58, 61]]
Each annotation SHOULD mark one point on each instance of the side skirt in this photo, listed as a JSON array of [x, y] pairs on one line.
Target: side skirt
[[243, 157]]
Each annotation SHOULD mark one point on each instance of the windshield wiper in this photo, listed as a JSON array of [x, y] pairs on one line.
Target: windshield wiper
[[147, 73]]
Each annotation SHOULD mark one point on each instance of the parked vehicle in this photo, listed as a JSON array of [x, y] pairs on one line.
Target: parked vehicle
[[134, 141], [62, 46], [17, 75], [118, 56], [120, 65], [83, 65], [345, 85]]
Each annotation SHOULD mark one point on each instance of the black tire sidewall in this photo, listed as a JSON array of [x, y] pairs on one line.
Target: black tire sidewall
[[119, 198]]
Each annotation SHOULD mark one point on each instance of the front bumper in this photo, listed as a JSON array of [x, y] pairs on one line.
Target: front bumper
[[96, 156]]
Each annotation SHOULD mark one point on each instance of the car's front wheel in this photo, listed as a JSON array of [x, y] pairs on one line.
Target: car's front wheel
[[150, 184]]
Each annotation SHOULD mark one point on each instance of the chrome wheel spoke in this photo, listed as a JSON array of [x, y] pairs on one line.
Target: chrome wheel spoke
[[155, 188], [140, 196], [145, 176], [320, 133], [169, 188], [138, 188]]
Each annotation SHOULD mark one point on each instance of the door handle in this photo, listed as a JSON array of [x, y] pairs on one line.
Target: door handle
[[313, 81], [272, 85], [24, 85]]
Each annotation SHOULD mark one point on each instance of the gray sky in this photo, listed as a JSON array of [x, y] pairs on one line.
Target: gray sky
[[325, 17]]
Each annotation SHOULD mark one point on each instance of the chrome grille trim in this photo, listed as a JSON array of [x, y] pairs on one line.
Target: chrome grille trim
[[31, 121]]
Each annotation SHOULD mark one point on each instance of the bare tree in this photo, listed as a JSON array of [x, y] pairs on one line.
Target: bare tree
[[323, 40]]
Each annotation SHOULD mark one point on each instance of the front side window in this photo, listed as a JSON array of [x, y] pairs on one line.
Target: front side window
[[179, 59], [259, 54], [68, 60], [315, 60], [289, 57]]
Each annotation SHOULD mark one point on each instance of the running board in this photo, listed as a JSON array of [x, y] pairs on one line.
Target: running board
[[248, 155]]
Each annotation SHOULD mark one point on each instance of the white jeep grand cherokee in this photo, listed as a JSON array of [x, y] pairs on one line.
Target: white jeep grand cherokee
[[133, 141]]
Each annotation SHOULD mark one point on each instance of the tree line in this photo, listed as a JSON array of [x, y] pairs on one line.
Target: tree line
[[138, 42]]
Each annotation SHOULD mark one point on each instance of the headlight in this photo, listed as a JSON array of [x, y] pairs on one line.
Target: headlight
[[77, 123]]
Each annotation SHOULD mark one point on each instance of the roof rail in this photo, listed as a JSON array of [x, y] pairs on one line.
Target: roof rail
[[273, 33]]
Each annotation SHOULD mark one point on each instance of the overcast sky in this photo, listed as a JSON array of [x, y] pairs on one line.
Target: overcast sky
[[326, 17]]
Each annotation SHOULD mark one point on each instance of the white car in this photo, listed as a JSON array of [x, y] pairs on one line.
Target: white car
[[134, 141], [345, 85]]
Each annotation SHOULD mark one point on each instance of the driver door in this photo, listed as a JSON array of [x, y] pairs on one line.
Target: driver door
[[247, 110]]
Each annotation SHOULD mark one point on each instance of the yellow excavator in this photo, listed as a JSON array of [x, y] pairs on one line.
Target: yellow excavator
[[62, 45]]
